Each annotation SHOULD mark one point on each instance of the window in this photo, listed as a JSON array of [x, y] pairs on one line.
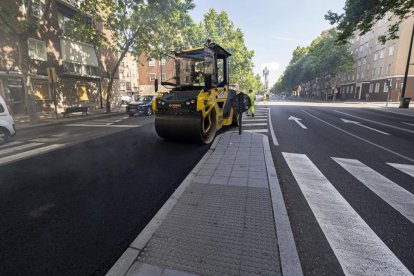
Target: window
[[152, 77], [128, 86], [91, 70], [1, 108], [35, 6], [391, 50], [362, 74], [37, 49], [385, 87], [163, 77], [376, 56], [364, 61], [371, 87], [368, 66], [377, 87], [70, 67], [380, 71], [162, 62], [151, 62], [388, 69], [381, 54]]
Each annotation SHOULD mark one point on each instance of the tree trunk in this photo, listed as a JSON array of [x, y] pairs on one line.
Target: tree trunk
[[24, 59], [109, 94]]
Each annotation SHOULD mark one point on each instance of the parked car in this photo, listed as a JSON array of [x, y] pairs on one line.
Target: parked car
[[7, 128], [140, 105]]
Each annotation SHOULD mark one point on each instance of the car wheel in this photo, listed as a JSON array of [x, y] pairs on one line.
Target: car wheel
[[149, 111], [4, 136]]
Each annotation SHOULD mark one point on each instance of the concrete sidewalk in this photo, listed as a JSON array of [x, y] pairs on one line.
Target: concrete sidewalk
[[47, 119], [227, 217]]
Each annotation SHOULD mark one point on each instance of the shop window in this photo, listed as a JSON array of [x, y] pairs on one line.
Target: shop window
[[377, 87], [83, 92], [385, 87], [371, 87], [42, 91]]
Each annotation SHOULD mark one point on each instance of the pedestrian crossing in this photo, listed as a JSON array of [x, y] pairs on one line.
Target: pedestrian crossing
[[356, 246], [19, 150], [104, 122], [259, 123]]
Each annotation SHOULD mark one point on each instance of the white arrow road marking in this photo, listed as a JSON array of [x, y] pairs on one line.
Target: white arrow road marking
[[359, 124], [408, 169], [375, 122], [407, 123], [397, 197], [297, 120], [358, 249]]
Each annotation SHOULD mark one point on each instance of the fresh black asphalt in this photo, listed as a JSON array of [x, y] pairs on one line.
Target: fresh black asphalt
[[74, 211], [320, 142]]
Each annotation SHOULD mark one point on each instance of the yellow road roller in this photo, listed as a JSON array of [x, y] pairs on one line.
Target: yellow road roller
[[198, 101]]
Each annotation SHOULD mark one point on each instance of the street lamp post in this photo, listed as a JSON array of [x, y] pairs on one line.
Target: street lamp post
[[406, 69], [265, 76]]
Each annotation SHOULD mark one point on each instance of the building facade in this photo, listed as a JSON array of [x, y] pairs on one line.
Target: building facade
[[376, 63], [151, 69], [51, 46]]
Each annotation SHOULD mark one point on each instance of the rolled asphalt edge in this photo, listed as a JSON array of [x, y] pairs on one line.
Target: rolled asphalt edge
[[289, 258]]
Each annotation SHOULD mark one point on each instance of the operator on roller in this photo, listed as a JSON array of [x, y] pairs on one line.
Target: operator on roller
[[252, 96]]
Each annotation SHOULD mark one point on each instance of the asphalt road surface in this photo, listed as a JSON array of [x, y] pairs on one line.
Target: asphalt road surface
[[74, 209], [347, 176]]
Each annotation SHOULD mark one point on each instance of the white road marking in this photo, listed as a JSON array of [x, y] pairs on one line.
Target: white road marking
[[399, 198], [91, 125], [407, 123], [361, 125], [358, 249], [255, 124], [297, 120], [44, 140], [254, 120], [259, 117], [18, 148], [29, 153], [360, 138], [10, 144], [256, 130], [61, 134], [272, 131], [408, 169], [375, 122], [125, 117]]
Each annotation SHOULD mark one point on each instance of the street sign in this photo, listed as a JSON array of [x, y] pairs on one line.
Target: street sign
[[51, 75]]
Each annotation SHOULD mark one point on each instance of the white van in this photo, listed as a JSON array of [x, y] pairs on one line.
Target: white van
[[7, 128]]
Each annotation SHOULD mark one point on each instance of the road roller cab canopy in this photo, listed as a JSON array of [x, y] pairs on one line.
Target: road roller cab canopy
[[193, 67]]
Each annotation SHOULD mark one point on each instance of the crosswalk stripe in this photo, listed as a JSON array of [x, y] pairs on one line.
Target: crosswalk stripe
[[29, 153], [358, 249], [254, 120], [94, 125], [10, 144], [44, 140], [255, 124], [257, 130], [22, 147], [396, 196], [408, 169]]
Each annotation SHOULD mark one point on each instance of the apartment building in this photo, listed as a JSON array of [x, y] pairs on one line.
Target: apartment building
[[128, 75], [52, 45], [150, 69], [375, 63]]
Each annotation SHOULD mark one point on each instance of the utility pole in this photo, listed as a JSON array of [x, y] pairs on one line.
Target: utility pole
[[407, 68]]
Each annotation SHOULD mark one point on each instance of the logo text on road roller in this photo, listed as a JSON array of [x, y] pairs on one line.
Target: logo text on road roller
[[175, 105]]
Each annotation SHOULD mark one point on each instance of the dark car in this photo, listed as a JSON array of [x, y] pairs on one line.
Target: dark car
[[140, 105]]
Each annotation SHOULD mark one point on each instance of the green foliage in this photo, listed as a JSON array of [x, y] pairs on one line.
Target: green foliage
[[323, 59], [220, 29], [361, 15]]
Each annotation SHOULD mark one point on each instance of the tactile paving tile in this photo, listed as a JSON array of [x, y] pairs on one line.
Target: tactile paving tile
[[217, 230]]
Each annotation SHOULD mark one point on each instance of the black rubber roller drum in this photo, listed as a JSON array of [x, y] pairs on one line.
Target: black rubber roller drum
[[184, 128]]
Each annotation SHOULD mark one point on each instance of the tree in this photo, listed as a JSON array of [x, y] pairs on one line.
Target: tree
[[137, 26], [361, 15], [317, 64], [220, 29], [17, 19]]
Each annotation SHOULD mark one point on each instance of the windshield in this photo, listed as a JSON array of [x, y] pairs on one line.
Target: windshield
[[189, 68]]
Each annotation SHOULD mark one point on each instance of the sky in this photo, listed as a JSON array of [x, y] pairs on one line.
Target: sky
[[273, 28]]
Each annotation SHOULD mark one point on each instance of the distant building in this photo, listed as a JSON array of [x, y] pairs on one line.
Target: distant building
[[150, 69], [376, 63], [128, 75]]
